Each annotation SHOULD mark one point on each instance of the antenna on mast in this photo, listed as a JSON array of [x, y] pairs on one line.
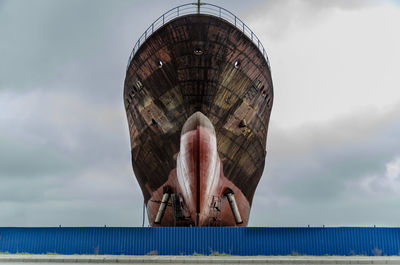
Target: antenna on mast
[[198, 6]]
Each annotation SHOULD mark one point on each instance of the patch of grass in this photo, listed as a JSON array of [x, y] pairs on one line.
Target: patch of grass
[[216, 253], [377, 252], [152, 253]]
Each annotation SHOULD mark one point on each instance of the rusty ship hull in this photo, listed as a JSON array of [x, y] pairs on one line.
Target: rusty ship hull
[[198, 96]]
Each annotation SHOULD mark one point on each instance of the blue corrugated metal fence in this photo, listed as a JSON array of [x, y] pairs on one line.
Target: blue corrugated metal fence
[[202, 240]]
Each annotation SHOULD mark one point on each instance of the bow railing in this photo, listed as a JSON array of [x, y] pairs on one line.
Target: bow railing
[[195, 8]]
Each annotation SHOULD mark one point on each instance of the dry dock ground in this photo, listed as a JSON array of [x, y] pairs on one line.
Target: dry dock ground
[[110, 259]]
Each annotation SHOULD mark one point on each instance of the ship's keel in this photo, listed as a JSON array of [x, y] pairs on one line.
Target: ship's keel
[[197, 193]]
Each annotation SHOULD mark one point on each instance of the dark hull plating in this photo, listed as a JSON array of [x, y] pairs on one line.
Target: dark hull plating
[[198, 63]]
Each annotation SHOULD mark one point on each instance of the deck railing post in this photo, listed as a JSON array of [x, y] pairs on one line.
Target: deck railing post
[[212, 10]]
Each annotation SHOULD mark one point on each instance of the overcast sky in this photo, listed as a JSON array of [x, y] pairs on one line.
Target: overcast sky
[[333, 145]]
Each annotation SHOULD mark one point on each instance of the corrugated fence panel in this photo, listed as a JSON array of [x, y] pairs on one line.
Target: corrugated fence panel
[[201, 240]]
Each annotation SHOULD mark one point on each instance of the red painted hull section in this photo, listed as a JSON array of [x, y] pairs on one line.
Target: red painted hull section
[[200, 183]]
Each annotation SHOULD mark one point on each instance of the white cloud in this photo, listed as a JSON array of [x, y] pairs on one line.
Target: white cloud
[[330, 61], [393, 170], [386, 182]]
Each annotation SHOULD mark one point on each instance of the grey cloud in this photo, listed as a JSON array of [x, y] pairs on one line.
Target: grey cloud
[[19, 158], [309, 169], [64, 143], [71, 213], [83, 45], [340, 4], [280, 17], [65, 153]]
